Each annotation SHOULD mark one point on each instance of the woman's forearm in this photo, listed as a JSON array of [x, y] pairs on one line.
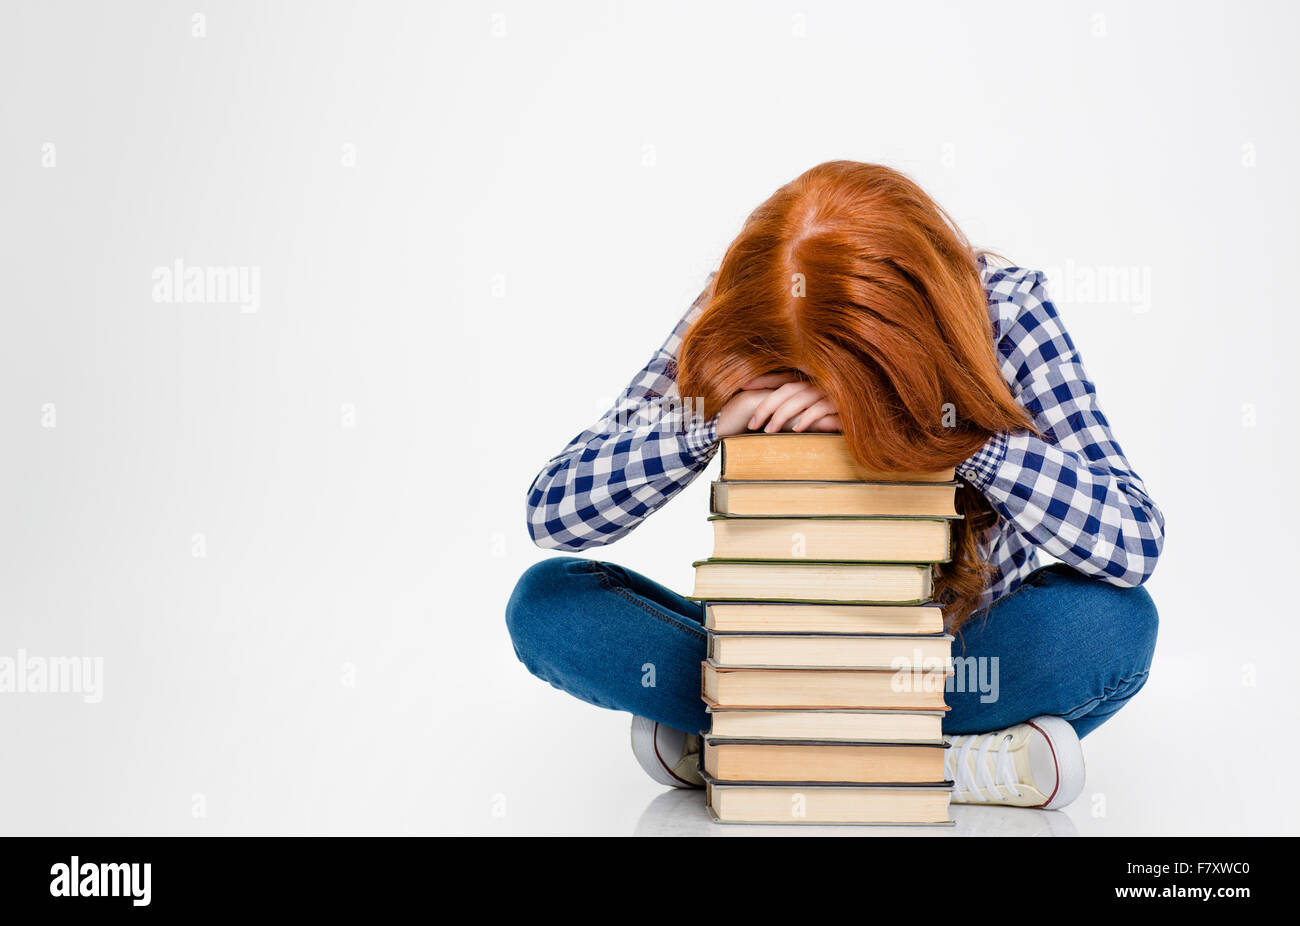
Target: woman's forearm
[[643, 451], [1098, 520], [600, 489]]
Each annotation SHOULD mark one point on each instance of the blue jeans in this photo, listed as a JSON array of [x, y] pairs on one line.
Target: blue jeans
[[1062, 644]]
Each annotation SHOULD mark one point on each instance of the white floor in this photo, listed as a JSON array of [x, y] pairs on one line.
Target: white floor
[[428, 740], [1168, 764], [682, 813]]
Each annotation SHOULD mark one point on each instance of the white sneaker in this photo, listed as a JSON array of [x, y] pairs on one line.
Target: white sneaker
[[1038, 763], [669, 756]]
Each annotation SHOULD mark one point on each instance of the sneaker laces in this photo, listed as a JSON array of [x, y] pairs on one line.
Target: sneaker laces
[[970, 785]]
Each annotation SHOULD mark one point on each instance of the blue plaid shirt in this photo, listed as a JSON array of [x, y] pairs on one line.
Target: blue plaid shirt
[[1070, 493]]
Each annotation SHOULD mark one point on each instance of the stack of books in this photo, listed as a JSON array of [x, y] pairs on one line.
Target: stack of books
[[827, 658]]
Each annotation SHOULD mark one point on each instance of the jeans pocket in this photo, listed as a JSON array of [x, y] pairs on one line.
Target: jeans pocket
[[611, 575], [1040, 576]]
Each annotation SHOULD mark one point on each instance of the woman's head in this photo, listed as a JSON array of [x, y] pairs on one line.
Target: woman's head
[[852, 276]]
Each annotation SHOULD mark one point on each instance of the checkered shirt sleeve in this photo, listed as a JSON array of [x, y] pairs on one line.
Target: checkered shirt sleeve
[[1071, 492], [645, 449]]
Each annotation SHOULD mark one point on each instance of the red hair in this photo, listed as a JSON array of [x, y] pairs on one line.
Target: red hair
[[853, 277]]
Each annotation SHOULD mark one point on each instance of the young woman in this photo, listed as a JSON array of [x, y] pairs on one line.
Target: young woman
[[850, 302]]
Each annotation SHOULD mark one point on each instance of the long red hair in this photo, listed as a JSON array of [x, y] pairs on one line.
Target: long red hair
[[853, 277]]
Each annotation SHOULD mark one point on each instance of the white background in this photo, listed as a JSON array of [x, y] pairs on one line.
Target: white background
[[537, 196]]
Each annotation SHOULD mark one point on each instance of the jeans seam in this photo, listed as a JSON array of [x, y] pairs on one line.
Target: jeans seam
[[609, 585], [1107, 692]]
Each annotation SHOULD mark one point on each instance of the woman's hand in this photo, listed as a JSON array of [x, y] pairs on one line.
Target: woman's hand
[[794, 404], [778, 401]]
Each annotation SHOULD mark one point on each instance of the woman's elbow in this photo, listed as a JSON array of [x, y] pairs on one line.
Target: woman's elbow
[[1142, 553], [544, 527], [550, 532], [1141, 568], [546, 533]]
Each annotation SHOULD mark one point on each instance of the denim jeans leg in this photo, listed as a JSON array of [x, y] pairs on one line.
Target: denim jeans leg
[[1063, 644], [612, 637]]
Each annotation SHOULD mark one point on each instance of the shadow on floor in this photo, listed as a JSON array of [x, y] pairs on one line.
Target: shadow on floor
[[681, 812]]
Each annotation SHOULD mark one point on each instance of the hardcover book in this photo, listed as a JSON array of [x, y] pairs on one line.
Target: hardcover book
[[827, 724], [822, 457], [847, 583], [832, 539], [829, 651], [811, 498], [804, 802], [910, 690], [828, 762], [805, 617]]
